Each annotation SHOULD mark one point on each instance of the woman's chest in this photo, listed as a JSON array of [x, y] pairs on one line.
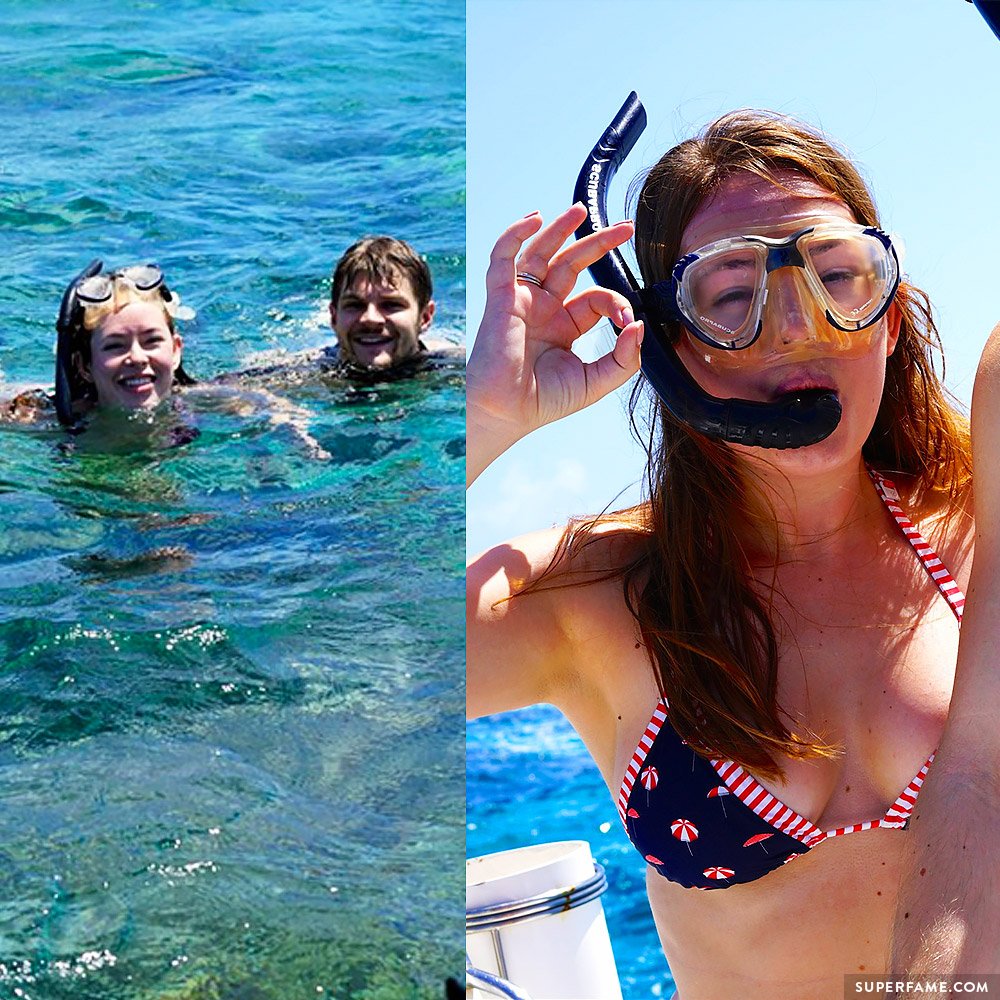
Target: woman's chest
[[867, 668], [866, 659], [880, 698], [867, 671]]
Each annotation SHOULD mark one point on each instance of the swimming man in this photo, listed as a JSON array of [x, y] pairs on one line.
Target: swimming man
[[381, 308]]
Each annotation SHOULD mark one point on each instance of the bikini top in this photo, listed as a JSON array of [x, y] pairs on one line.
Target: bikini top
[[711, 824]]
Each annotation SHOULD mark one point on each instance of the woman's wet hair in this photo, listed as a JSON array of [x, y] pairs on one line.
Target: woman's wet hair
[[688, 583], [382, 260], [754, 142]]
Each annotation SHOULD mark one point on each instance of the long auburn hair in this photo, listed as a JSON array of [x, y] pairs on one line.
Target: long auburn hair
[[708, 632]]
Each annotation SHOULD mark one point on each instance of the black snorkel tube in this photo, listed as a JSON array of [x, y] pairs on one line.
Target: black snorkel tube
[[69, 383], [795, 420]]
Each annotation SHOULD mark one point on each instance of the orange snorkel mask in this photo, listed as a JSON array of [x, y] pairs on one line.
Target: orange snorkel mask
[[719, 294]]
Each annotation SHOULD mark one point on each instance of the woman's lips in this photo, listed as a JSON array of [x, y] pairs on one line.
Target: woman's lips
[[803, 383]]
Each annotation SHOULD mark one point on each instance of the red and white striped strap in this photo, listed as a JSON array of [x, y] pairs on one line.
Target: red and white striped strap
[[635, 764], [785, 819], [770, 809], [937, 570], [898, 814]]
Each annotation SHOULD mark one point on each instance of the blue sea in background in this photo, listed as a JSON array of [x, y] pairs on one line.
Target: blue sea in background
[[530, 780], [231, 673]]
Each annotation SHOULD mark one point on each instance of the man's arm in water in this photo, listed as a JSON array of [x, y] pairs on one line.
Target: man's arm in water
[[948, 916], [280, 412]]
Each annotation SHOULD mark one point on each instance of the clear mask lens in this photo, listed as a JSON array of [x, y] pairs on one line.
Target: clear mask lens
[[722, 288], [100, 288], [723, 293], [855, 276], [145, 277]]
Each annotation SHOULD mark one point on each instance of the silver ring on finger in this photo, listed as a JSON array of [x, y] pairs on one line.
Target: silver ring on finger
[[528, 278]]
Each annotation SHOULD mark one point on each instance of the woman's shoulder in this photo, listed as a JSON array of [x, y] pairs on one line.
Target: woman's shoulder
[[946, 500], [553, 602], [584, 550], [944, 516], [570, 578]]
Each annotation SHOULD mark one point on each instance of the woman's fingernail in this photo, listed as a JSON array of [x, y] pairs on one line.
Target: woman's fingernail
[[627, 316], [640, 334], [530, 214]]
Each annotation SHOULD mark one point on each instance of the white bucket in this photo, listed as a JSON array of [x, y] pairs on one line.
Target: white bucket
[[534, 917]]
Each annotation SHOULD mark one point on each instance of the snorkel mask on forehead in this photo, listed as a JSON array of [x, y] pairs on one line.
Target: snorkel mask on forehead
[[98, 289], [88, 299], [719, 293]]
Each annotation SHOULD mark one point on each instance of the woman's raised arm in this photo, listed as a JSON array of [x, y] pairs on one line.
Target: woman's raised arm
[[949, 903], [517, 650]]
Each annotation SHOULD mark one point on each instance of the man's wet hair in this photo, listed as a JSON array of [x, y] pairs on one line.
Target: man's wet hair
[[382, 260]]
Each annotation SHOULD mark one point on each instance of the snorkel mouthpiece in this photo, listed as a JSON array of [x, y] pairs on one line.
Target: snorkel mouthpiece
[[795, 420]]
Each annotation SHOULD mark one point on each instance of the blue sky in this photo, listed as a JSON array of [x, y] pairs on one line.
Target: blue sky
[[909, 87]]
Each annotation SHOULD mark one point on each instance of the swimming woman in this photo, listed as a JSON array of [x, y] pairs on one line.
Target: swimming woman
[[760, 656], [119, 350], [117, 347]]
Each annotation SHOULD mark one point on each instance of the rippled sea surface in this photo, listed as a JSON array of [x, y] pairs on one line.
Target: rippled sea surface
[[231, 672]]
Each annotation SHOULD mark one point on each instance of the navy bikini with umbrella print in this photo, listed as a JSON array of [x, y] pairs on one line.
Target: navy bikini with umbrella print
[[711, 824]]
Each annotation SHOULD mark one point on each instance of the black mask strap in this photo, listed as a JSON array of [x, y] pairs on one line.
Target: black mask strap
[[990, 9]]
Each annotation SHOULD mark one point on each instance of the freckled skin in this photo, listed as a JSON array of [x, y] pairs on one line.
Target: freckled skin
[[866, 644]]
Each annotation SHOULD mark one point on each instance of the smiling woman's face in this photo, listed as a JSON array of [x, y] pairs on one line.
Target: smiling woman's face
[[134, 356]]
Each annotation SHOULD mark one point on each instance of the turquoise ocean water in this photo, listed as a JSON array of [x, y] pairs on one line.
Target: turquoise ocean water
[[531, 781], [231, 672]]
